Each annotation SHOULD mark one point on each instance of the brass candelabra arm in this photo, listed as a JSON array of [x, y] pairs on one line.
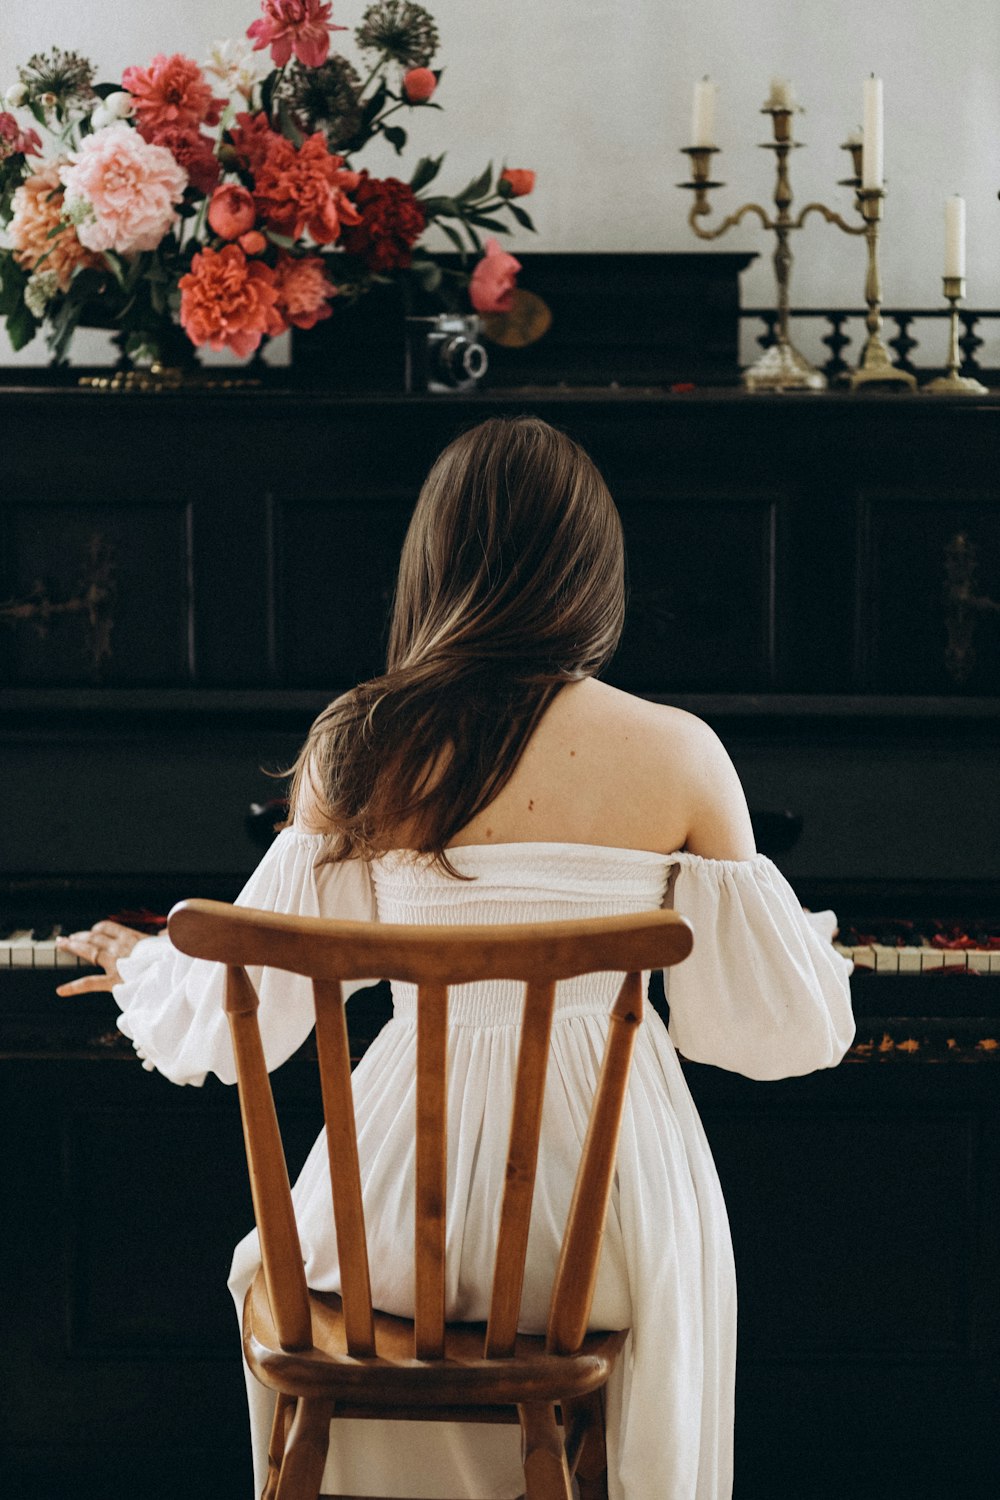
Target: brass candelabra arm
[[701, 207], [830, 216]]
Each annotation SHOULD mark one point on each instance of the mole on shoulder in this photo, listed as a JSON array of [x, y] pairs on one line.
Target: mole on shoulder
[[489, 833], [572, 752], [531, 804]]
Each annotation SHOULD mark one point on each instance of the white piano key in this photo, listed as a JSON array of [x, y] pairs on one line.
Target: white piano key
[[864, 958], [931, 958], [19, 947], [953, 958], [44, 954], [995, 961], [909, 960], [886, 959], [979, 960]]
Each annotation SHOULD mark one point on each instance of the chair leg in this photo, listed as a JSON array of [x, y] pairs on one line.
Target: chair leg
[[546, 1473], [305, 1453], [283, 1414], [583, 1423]]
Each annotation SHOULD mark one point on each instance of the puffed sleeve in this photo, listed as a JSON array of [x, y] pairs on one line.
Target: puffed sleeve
[[172, 1005], [764, 992]]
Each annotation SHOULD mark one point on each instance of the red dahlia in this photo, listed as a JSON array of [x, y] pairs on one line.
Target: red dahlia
[[391, 223]]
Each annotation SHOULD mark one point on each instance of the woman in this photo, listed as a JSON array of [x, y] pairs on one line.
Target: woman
[[489, 776]]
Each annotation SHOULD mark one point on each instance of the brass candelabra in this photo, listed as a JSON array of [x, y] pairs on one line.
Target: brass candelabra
[[782, 366], [952, 383]]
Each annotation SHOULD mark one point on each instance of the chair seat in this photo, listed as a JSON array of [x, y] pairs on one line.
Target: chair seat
[[394, 1379]]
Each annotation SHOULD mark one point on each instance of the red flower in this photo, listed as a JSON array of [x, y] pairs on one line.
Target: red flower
[[229, 302], [519, 180], [172, 91], [253, 242], [231, 212], [304, 189], [391, 223], [418, 85], [304, 291], [491, 285], [17, 142], [195, 152], [252, 138], [300, 25]]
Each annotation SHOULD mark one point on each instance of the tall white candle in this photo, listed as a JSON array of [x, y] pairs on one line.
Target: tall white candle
[[703, 113], [782, 95], [871, 155], [954, 236]]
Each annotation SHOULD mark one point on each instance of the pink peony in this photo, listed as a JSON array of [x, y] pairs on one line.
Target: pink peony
[[17, 142], [172, 91], [519, 181], [304, 291], [491, 285], [418, 85], [231, 211], [302, 26], [253, 242], [122, 192], [229, 302]]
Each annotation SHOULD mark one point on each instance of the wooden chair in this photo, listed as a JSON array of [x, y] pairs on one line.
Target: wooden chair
[[329, 1356]]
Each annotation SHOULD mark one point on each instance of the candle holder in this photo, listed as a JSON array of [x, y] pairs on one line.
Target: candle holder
[[781, 367], [954, 384], [875, 367]]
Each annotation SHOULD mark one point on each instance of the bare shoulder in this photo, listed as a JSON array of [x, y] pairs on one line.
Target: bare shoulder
[[670, 763]]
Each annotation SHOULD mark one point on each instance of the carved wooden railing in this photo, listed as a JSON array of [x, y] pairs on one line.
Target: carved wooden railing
[[842, 334]]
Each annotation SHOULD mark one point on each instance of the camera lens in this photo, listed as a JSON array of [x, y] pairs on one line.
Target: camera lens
[[460, 359]]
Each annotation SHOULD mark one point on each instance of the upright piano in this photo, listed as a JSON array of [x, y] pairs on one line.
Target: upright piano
[[187, 579]]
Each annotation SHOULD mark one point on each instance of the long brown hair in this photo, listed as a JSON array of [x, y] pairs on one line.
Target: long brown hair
[[511, 584]]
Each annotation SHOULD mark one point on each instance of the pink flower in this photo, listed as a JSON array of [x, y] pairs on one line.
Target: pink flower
[[519, 181], [17, 142], [491, 285], [300, 25], [194, 151], [229, 302], [122, 192], [171, 91], [231, 212], [418, 85], [304, 291]]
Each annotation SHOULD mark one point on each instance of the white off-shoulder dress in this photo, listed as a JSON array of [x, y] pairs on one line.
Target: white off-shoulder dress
[[764, 994]]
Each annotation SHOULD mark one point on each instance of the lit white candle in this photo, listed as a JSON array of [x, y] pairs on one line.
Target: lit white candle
[[954, 237], [703, 113], [871, 155]]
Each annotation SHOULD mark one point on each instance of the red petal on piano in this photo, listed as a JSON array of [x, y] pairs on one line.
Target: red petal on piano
[[140, 919]]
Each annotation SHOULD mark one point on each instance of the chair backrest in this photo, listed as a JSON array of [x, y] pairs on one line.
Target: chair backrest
[[433, 958]]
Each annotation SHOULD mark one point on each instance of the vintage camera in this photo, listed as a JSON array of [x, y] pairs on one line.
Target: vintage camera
[[444, 354]]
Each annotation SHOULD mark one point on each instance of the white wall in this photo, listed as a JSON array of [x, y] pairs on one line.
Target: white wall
[[596, 97]]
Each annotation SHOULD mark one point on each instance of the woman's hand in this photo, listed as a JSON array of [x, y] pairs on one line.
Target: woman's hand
[[103, 945]]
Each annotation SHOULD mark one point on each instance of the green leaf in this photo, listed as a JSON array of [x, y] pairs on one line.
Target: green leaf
[[284, 241], [485, 222], [103, 90], [432, 207], [396, 137], [425, 171], [289, 129], [520, 215], [455, 238], [477, 187], [428, 274], [21, 327]]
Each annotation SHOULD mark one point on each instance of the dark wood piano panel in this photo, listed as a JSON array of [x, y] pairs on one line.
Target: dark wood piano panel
[[186, 581]]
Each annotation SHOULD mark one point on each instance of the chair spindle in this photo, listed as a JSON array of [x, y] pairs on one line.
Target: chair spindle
[[431, 1182], [334, 1054]]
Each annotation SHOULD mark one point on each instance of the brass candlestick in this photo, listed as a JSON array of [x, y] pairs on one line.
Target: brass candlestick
[[954, 384], [875, 367], [782, 366]]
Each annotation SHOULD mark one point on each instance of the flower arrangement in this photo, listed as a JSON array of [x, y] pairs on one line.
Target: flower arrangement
[[223, 199]]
